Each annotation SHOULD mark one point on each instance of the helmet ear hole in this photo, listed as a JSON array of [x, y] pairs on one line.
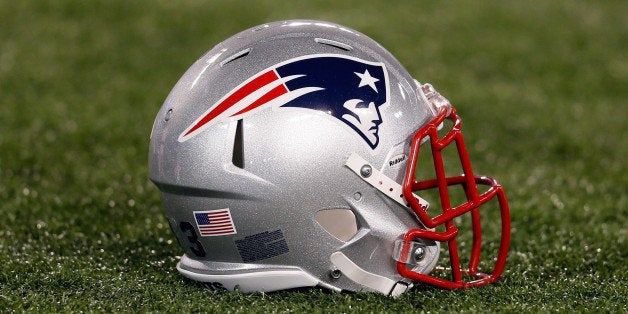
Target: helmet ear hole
[[340, 223]]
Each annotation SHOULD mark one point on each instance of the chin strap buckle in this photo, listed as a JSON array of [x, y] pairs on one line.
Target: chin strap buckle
[[370, 280]]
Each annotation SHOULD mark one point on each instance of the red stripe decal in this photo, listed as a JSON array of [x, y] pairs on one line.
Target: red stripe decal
[[235, 96], [272, 94], [219, 232], [216, 230], [218, 215], [217, 220], [216, 225]]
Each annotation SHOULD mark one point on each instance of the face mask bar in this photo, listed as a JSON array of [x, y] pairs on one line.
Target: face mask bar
[[474, 200]]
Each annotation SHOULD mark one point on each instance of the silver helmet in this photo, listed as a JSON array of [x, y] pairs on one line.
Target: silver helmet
[[286, 157]]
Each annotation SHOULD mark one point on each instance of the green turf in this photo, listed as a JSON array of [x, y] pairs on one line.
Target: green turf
[[541, 86]]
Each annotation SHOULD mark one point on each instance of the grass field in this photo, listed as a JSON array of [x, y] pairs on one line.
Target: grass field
[[542, 87]]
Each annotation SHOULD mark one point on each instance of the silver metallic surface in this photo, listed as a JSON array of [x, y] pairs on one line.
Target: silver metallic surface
[[419, 253], [366, 171], [293, 159]]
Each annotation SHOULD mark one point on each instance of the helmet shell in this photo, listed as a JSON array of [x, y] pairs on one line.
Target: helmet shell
[[277, 168]]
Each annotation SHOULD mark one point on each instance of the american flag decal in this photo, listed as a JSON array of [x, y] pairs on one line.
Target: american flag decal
[[214, 222]]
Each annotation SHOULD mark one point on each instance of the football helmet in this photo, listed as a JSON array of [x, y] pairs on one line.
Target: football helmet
[[288, 156]]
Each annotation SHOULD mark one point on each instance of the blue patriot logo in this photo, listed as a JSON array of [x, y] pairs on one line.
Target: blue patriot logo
[[349, 89]]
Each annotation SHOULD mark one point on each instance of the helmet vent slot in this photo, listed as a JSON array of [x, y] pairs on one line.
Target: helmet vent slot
[[340, 223], [261, 27], [333, 43], [238, 146], [236, 56]]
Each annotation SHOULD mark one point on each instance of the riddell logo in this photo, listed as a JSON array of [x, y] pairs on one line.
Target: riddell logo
[[397, 160]]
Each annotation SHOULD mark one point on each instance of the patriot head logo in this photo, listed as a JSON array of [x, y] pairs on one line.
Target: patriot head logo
[[349, 89]]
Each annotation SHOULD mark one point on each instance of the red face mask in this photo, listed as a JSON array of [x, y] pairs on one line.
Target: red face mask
[[441, 227]]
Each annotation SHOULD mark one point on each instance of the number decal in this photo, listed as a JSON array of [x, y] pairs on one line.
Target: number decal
[[196, 246], [214, 286]]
